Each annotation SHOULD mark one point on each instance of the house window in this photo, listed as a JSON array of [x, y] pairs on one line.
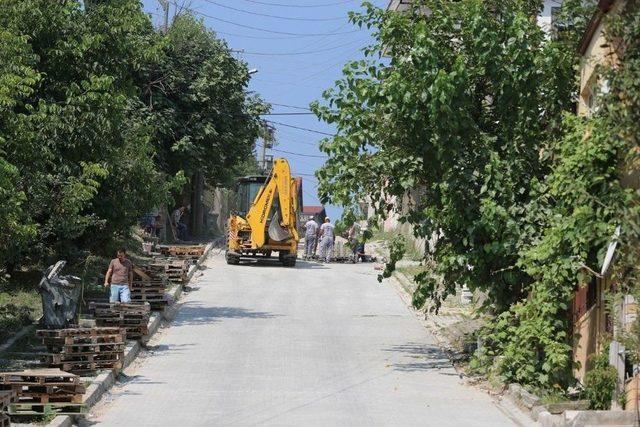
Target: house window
[[592, 293], [584, 299]]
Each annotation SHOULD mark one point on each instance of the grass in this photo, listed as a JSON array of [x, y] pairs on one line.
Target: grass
[[411, 270], [20, 303], [554, 397], [410, 250]]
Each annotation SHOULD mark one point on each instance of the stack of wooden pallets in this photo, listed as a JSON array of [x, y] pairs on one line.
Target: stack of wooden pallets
[[132, 317], [84, 350], [176, 271], [7, 397], [183, 252], [42, 392], [149, 285]]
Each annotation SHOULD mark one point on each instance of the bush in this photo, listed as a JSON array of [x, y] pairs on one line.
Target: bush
[[600, 383]]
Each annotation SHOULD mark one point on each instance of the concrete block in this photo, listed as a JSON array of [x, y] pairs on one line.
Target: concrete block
[[600, 418], [155, 320], [536, 411], [529, 400], [131, 352], [514, 390], [61, 421], [560, 407], [546, 419]]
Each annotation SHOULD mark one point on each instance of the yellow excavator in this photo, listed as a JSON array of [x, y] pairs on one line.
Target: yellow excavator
[[266, 217]]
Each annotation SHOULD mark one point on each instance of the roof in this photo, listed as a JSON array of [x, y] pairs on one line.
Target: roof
[[313, 210], [399, 5], [603, 7]]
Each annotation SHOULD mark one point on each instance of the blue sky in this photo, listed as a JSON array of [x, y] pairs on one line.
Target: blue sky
[[293, 68]]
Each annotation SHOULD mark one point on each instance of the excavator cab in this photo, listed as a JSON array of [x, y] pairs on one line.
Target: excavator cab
[[246, 190], [266, 216]]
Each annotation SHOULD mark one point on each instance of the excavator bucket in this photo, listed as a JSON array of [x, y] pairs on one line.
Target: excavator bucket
[[276, 231]]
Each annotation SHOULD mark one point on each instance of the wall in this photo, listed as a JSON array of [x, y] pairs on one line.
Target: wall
[[585, 342]]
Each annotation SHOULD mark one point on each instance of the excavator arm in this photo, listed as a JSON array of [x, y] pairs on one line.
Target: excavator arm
[[283, 223]]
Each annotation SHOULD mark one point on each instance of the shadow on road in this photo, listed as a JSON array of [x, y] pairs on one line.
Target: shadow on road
[[196, 314], [431, 357], [167, 349], [273, 262]]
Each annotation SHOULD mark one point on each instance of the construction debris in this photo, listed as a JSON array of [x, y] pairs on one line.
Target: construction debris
[[84, 350], [132, 317], [41, 392], [59, 296]]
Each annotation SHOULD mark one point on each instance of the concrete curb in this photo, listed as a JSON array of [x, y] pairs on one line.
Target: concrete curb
[[589, 418], [104, 381]]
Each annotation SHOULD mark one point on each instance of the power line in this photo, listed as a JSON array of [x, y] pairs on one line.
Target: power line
[[300, 5], [262, 37], [265, 29], [308, 52], [295, 141], [290, 106], [280, 83], [301, 128], [288, 18], [288, 114], [299, 154]]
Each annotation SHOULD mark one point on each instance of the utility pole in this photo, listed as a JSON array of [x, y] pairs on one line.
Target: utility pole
[[165, 8], [263, 161]]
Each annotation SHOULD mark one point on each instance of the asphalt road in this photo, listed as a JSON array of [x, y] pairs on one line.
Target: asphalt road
[[318, 345]]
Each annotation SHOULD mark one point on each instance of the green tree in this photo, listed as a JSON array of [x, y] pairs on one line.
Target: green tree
[[80, 144], [16, 80], [461, 111], [195, 92]]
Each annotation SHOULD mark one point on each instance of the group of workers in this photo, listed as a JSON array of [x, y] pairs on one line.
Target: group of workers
[[325, 236], [153, 224]]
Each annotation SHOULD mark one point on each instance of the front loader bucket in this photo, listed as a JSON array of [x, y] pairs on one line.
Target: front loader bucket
[[276, 231]]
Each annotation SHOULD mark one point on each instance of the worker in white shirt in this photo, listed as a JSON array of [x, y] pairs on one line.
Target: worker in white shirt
[[327, 237], [311, 231]]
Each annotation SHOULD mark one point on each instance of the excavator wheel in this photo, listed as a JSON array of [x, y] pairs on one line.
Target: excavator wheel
[[289, 260], [232, 259]]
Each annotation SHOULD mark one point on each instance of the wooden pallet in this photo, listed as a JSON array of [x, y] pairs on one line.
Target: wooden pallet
[[103, 356], [86, 348], [28, 397], [38, 387], [182, 250], [83, 350], [76, 332], [88, 367], [79, 388], [45, 409], [4, 420], [159, 289], [72, 341], [112, 308], [39, 377]]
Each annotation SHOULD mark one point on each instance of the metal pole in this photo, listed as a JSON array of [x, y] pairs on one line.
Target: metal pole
[[264, 157], [165, 8]]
